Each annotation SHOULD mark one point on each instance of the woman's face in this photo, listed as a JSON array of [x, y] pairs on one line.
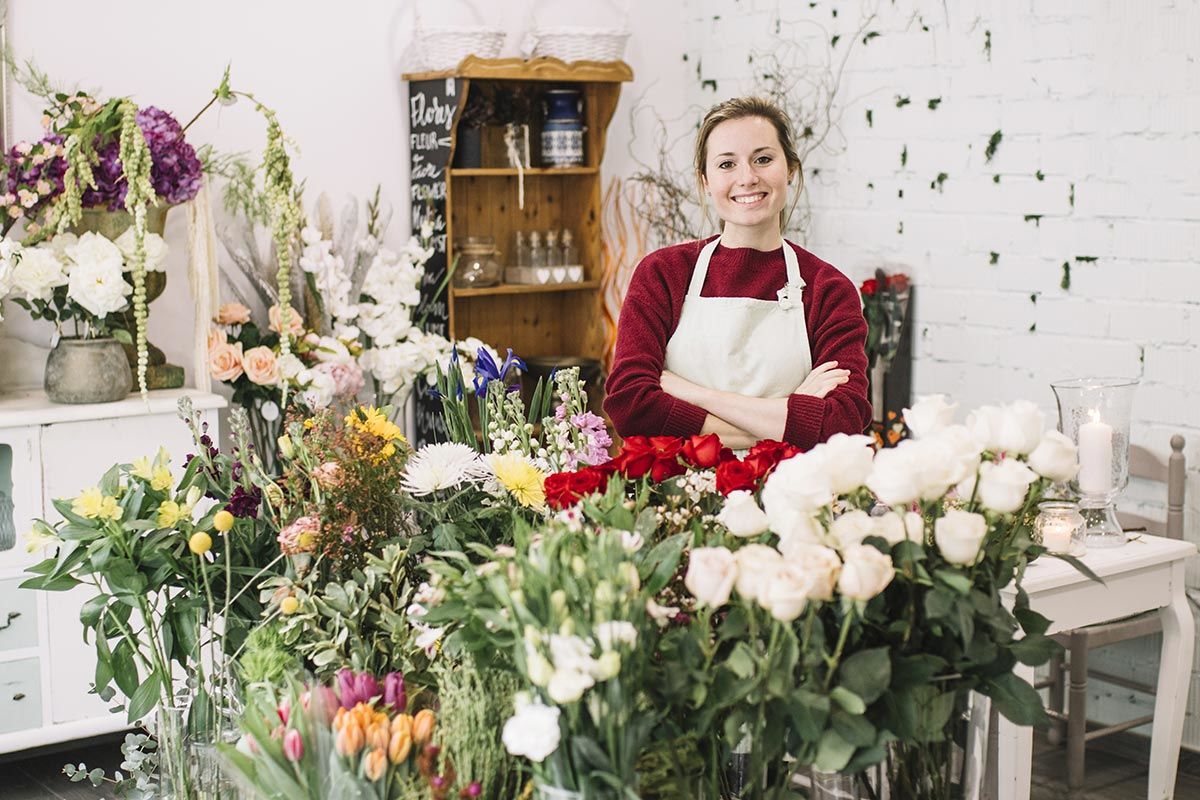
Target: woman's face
[[746, 172]]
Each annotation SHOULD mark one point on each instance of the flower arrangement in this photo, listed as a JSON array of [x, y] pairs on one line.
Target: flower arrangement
[[885, 302]]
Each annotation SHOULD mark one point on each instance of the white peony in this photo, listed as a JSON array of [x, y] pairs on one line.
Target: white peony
[[847, 460], [851, 528], [289, 366], [331, 351], [930, 414], [710, 576], [755, 563], [1003, 485], [1055, 457], [98, 287], [865, 572], [532, 732], [742, 516], [38, 272], [958, 535]]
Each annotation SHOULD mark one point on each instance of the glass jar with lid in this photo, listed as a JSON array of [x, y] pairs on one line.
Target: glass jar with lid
[[478, 262]]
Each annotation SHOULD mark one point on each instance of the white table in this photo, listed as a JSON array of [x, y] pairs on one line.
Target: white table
[[1146, 574]]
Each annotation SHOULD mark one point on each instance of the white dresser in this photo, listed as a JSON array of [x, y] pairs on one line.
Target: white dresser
[[51, 451]]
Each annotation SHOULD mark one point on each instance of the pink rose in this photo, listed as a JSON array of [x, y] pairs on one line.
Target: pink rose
[[295, 321], [347, 377], [261, 366], [225, 361], [232, 314]]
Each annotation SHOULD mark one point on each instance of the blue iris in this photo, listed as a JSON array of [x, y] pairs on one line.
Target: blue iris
[[486, 370]]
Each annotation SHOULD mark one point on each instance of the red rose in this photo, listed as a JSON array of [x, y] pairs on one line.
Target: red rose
[[897, 282], [735, 475], [565, 489], [869, 287], [702, 451], [765, 455], [666, 458], [636, 457]]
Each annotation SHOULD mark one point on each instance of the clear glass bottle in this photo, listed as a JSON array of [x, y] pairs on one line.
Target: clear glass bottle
[[570, 253], [537, 253], [520, 250], [553, 254], [478, 262]]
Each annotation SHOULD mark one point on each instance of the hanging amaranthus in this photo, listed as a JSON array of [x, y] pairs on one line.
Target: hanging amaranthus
[[136, 163]]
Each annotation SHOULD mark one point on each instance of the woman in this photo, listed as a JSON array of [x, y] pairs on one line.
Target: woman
[[721, 335]]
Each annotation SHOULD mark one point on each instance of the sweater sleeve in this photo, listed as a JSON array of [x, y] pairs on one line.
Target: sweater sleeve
[[634, 398], [837, 332]]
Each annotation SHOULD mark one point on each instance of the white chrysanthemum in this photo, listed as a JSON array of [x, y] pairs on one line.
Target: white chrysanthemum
[[441, 466]]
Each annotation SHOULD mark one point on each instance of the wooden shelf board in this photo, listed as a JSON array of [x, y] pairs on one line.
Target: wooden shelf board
[[483, 172], [523, 288], [535, 69]]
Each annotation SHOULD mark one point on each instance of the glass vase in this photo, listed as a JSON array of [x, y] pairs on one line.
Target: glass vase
[[174, 769], [1095, 414], [836, 786], [951, 768]]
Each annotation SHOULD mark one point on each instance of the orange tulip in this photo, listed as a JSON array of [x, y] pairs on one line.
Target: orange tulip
[[378, 735], [399, 747], [350, 739], [423, 726], [402, 722], [376, 764]]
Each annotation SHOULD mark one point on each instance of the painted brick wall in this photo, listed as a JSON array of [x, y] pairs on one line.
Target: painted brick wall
[[1098, 168]]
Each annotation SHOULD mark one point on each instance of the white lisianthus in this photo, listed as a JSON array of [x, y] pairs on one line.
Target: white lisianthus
[[538, 667], [755, 562], [156, 249], [930, 414], [742, 516], [38, 272], [865, 572], [98, 287], [1055, 457], [568, 685], [847, 460], [959, 535], [851, 528], [895, 476], [662, 615], [711, 574], [532, 732], [1004, 484], [607, 666], [610, 634]]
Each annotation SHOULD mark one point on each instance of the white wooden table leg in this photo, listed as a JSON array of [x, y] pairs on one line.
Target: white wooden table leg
[[1015, 752], [1170, 700]]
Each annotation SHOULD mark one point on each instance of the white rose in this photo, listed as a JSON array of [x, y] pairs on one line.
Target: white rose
[[98, 287], [847, 459], [895, 476], [742, 516], [711, 574], [532, 732], [568, 685], [38, 272], [956, 453], [914, 526], [890, 527], [865, 572], [806, 530], [959, 535], [1014, 429], [820, 567], [796, 488], [755, 562], [1055, 457], [785, 592], [851, 528], [156, 249], [1004, 484], [609, 634], [929, 415]]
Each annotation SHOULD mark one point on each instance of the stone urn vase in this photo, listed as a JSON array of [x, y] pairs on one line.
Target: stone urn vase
[[87, 371]]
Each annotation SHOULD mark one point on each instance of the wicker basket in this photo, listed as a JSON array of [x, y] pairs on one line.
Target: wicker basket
[[443, 46], [571, 43]]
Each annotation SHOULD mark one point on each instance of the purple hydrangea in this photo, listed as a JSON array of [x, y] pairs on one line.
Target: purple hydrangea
[[175, 171]]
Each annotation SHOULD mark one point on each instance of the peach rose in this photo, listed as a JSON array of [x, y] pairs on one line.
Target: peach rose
[[261, 366], [295, 321], [216, 337], [232, 314], [225, 361]]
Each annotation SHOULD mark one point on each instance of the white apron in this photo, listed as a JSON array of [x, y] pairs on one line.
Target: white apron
[[757, 348]]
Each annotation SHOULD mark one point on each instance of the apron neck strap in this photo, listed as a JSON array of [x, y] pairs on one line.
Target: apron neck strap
[[700, 272]]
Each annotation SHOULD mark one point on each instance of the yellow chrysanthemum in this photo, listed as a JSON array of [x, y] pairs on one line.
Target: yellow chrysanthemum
[[93, 504], [369, 419], [522, 479], [169, 513]]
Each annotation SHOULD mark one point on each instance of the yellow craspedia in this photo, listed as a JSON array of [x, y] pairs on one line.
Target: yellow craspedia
[[289, 605], [200, 543], [524, 481], [223, 521]]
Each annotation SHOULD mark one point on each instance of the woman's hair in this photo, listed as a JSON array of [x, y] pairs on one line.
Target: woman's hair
[[740, 108]]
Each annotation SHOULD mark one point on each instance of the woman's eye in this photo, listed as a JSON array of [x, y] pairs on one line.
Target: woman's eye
[[725, 165], [763, 160]]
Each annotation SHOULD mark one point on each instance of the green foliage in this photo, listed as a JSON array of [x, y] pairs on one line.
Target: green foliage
[[992, 145], [1065, 283], [478, 702], [266, 658]]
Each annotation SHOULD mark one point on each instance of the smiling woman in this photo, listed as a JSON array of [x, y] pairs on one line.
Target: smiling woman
[[721, 335]]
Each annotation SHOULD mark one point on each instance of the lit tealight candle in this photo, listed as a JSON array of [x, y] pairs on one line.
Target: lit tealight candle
[[1056, 535], [1095, 456]]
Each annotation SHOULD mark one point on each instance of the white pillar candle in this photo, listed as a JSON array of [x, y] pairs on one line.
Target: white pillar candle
[[1095, 457], [1056, 536]]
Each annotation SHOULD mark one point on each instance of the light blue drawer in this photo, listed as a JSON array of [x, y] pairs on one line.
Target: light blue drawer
[[20, 695], [18, 616]]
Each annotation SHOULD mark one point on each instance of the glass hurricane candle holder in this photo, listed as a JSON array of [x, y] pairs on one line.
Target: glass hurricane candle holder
[[1095, 414], [1060, 528]]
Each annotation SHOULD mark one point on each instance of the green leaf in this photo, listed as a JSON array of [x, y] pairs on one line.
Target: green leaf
[[741, 661], [809, 712], [144, 698], [62, 583], [125, 671], [867, 673], [919, 713], [916, 669], [1016, 699], [848, 700], [955, 580], [853, 728], [833, 752], [89, 612], [122, 336], [1035, 650], [1031, 621]]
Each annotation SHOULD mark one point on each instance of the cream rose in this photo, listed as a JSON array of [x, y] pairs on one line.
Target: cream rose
[[851, 528], [98, 287], [804, 529], [225, 361], [820, 566], [1055, 457], [232, 314], [958, 535], [261, 366], [865, 572], [755, 562], [711, 574], [785, 592], [295, 321], [891, 528], [929, 415], [848, 461], [742, 516], [895, 475], [1004, 484]]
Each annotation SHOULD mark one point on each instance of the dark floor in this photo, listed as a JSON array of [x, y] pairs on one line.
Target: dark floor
[[1116, 770]]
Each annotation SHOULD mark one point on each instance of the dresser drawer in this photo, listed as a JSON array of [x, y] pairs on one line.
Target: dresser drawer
[[18, 616], [20, 695]]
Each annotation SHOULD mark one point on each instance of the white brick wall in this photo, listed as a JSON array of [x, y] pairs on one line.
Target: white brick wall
[[1101, 97]]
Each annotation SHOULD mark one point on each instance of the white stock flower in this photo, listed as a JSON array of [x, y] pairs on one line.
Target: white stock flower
[[958, 535], [710, 576], [1004, 484], [1055, 457], [755, 563], [847, 461], [929, 415], [851, 528], [742, 516], [895, 476], [38, 272], [532, 732], [441, 466], [865, 572]]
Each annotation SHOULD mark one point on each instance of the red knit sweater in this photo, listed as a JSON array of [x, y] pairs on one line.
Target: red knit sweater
[[837, 331]]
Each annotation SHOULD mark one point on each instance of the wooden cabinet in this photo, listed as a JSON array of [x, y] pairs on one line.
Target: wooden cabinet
[[556, 319]]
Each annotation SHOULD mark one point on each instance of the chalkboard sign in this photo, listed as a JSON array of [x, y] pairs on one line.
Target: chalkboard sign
[[433, 107]]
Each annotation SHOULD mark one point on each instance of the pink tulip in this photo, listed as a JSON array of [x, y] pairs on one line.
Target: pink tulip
[[284, 710], [293, 745]]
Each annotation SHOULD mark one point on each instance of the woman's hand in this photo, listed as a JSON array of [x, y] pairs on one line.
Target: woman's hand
[[823, 379], [679, 387]]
